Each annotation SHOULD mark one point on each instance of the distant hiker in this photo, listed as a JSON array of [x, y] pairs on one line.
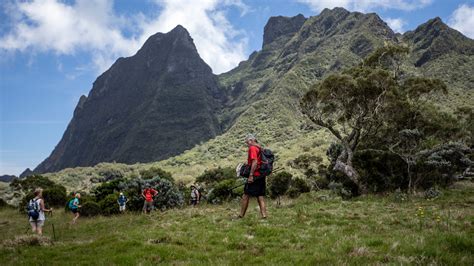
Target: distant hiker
[[256, 185], [36, 211], [195, 195], [122, 201], [74, 207], [148, 194]]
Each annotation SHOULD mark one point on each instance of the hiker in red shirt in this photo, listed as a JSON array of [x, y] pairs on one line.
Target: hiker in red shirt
[[256, 185], [148, 194]]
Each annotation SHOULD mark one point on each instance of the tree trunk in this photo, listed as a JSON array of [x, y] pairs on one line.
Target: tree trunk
[[344, 165]]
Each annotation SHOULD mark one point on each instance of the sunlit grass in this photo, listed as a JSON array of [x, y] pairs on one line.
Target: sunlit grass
[[315, 228]]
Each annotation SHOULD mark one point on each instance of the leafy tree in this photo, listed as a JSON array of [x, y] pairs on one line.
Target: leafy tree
[[358, 104], [279, 185]]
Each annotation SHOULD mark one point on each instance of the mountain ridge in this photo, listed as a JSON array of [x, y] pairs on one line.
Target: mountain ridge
[[262, 93]]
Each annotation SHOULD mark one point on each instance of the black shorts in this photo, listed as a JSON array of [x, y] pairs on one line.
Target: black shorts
[[76, 210], [257, 188]]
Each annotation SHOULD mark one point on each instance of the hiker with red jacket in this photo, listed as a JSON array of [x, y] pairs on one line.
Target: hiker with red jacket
[[256, 184], [148, 194]]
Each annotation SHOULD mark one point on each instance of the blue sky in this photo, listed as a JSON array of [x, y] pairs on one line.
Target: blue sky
[[51, 51]]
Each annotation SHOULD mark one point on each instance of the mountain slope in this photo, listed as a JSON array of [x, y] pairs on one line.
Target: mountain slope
[[262, 94], [265, 90], [147, 107]]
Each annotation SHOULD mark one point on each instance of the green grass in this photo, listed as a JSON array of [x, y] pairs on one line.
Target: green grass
[[312, 229]]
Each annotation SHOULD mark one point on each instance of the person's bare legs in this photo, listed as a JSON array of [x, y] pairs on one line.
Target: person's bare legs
[[76, 215], [39, 230], [263, 208], [33, 227], [244, 205]]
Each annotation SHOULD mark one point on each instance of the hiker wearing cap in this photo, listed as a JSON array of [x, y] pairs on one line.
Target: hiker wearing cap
[[256, 184], [148, 194], [36, 211], [195, 195], [122, 201]]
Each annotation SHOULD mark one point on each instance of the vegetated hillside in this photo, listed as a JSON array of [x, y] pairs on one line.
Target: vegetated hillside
[[263, 92], [317, 228], [266, 89], [147, 107]]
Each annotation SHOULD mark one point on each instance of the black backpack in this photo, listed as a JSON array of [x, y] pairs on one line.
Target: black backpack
[[33, 209], [268, 158], [266, 168]]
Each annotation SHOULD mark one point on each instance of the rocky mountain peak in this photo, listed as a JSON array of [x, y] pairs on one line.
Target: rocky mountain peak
[[279, 26], [147, 107], [434, 38]]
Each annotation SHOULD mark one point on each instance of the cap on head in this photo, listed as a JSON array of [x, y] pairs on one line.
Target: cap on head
[[121, 193], [250, 136]]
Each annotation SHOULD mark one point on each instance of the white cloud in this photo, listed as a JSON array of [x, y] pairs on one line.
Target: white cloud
[[366, 5], [94, 27], [218, 42], [462, 20], [396, 24]]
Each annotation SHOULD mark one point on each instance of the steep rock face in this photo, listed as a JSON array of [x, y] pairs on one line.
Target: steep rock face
[[147, 107], [278, 27], [433, 39]]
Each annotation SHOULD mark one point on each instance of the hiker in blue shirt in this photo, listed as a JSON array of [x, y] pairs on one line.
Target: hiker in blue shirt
[[74, 207], [122, 201]]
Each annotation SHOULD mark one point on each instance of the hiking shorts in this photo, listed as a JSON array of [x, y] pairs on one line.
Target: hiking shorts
[[257, 188], [121, 208], [75, 210], [194, 202], [148, 206], [37, 223]]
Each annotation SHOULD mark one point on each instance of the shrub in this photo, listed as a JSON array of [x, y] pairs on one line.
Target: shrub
[[222, 191], [304, 161], [154, 171], [293, 193], [216, 175], [3, 204], [31, 183], [300, 185], [168, 196], [380, 170], [55, 195], [90, 208], [339, 189], [279, 185], [107, 188], [111, 174], [108, 205]]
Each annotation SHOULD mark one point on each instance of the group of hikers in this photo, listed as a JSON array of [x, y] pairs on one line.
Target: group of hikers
[[254, 187]]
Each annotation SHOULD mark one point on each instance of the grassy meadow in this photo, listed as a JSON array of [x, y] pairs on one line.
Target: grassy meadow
[[316, 228]]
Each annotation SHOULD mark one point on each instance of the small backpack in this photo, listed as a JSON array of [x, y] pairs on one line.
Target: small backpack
[[71, 204], [33, 209]]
